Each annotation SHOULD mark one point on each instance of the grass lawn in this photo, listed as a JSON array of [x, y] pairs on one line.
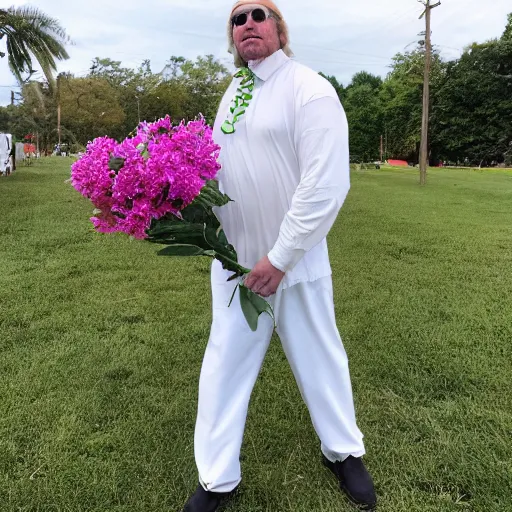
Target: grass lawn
[[101, 344]]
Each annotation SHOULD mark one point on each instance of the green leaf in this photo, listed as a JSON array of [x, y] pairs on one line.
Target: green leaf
[[199, 227], [169, 231], [173, 231], [225, 252], [223, 239], [261, 305], [250, 312], [217, 240], [211, 195], [234, 291], [253, 306], [185, 250], [199, 213], [228, 128], [231, 265]]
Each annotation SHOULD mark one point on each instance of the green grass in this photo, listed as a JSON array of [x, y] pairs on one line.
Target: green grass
[[101, 344]]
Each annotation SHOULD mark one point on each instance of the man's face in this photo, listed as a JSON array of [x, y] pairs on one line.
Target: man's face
[[256, 40]]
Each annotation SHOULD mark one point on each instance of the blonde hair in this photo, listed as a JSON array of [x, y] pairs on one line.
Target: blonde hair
[[282, 29]]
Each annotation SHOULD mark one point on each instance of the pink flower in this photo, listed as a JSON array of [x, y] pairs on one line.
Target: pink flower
[[91, 175], [165, 167]]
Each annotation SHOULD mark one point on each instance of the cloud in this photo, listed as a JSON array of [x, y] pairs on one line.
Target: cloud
[[333, 36]]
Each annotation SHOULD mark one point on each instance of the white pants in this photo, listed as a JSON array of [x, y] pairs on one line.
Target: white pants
[[233, 358]]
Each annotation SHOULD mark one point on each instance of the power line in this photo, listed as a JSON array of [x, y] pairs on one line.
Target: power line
[[338, 50], [218, 37], [450, 47], [357, 64], [392, 23]]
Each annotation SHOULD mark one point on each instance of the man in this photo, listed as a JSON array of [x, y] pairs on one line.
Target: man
[[13, 154], [285, 164], [5, 152]]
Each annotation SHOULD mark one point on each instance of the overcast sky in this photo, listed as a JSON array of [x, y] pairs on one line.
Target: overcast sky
[[338, 37]]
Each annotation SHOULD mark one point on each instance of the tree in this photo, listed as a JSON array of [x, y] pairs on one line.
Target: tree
[[90, 108], [29, 33], [338, 87], [206, 80], [171, 98], [472, 115], [5, 119], [133, 88], [507, 34], [112, 71], [365, 78], [364, 110], [401, 98], [37, 114]]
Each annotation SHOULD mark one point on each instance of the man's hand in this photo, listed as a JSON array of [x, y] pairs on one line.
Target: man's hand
[[264, 278]]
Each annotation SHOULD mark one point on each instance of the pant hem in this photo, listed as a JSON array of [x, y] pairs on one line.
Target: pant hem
[[221, 489], [340, 457]]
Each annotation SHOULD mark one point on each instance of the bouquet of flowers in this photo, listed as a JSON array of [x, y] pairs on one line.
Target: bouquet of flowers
[[159, 185]]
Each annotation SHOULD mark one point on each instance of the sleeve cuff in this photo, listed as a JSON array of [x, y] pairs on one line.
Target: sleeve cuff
[[284, 259]]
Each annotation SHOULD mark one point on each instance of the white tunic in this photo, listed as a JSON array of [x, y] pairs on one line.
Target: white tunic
[[5, 150], [286, 168]]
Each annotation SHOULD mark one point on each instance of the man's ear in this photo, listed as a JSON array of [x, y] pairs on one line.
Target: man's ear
[[282, 39]]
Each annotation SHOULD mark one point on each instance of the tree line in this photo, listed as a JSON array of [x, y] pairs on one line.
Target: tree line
[[470, 106], [471, 103]]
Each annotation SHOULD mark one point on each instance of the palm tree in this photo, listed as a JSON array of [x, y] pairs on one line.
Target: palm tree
[[30, 33]]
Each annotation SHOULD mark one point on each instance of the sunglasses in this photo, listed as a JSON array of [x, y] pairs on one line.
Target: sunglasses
[[258, 15]]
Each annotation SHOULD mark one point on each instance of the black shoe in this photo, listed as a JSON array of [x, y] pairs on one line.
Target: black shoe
[[355, 481], [206, 501]]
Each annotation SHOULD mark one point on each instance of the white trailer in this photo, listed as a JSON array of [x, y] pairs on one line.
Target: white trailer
[[6, 166]]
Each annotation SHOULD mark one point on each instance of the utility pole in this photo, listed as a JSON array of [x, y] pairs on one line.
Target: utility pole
[[12, 97], [58, 108], [385, 141], [426, 90], [381, 148]]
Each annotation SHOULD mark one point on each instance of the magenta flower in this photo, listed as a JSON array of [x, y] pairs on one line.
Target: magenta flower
[[160, 171]]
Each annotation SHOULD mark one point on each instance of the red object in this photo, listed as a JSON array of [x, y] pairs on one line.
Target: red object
[[398, 163]]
